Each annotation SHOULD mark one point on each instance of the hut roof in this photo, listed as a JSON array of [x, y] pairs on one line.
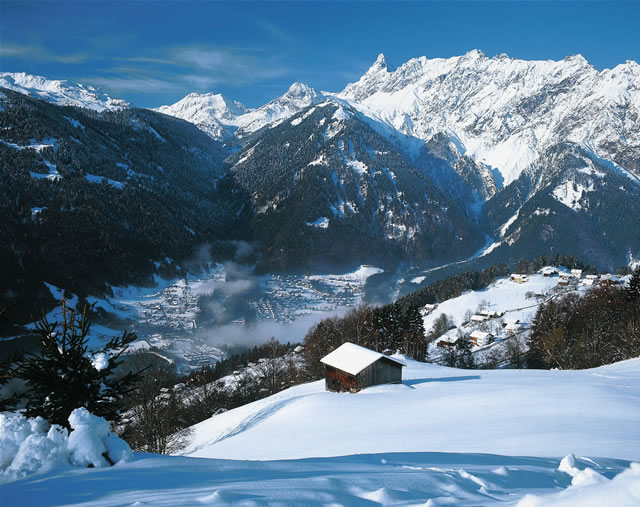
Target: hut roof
[[353, 358]]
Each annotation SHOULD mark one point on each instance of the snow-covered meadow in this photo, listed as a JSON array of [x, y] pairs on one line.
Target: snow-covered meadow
[[442, 437]]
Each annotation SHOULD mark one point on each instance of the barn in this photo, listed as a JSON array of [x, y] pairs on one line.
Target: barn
[[351, 368]]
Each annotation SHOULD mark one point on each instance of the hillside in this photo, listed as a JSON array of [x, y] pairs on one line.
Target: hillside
[[90, 198], [439, 409], [329, 190], [444, 436], [543, 153]]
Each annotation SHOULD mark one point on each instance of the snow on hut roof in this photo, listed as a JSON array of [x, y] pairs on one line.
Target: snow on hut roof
[[353, 358]]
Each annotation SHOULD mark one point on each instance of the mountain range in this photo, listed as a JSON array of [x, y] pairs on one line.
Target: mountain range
[[434, 161]]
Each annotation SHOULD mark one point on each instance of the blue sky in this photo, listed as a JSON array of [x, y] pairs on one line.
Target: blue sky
[[155, 52]]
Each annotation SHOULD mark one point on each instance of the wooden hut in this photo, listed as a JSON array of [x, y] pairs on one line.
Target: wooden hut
[[351, 368]]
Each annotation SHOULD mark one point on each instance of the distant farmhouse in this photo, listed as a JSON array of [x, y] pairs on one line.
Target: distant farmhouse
[[427, 309], [351, 368], [609, 281], [480, 338]]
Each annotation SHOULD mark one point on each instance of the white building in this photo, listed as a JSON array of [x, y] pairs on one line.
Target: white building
[[480, 338]]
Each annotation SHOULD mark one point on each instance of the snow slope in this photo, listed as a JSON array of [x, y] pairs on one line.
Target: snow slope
[[62, 93], [503, 296], [443, 437], [430, 479], [437, 409], [211, 112]]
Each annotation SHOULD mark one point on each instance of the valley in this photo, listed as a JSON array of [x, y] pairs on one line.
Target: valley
[[189, 321]]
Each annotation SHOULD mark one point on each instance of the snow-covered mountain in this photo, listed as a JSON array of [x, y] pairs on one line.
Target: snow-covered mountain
[[221, 117], [60, 92], [211, 112], [539, 156], [329, 189], [505, 112]]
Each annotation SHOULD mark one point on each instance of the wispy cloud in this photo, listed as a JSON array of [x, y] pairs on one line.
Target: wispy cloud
[[272, 30], [138, 85], [38, 53], [146, 59], [201, 82], [226, 66]]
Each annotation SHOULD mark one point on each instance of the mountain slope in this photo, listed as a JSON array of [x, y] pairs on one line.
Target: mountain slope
[[572, 202], [504, 112], [92, 198], [498, 136], [212, 113], [328, 190], [62, 93]]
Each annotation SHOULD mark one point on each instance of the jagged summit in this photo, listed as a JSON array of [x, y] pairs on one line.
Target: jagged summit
[[209, 100], [474, 54], [211, 112], [501, 111], [299, 89], [380, 64], [221, 117]]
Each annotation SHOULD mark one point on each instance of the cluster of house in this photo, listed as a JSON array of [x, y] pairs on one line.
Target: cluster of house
[[175, 307], [478, 338], [575, 276], [483, 315], [287, 297], [571, 278]]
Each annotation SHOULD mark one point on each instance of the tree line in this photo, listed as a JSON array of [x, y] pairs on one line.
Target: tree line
[[574, 332]]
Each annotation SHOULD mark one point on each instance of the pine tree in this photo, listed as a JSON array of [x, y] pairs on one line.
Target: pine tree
[[633, 291], [465, 358], [66, 375]]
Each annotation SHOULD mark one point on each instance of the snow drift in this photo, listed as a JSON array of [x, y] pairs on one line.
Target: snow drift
[[31, 445]]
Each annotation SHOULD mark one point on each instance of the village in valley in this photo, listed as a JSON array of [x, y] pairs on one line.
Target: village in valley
[[169, 318], [503, 312], [169, 323]]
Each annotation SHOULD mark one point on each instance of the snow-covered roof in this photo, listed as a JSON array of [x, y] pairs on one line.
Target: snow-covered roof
[[480, 335], [353, 358]]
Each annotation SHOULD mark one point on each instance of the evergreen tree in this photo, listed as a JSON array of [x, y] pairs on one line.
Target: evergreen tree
[[66, 375], [633, 291], [464, 358]]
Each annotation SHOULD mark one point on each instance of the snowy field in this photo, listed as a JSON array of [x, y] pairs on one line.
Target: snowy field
[[437, 409], [430, 479], [442, 437]]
